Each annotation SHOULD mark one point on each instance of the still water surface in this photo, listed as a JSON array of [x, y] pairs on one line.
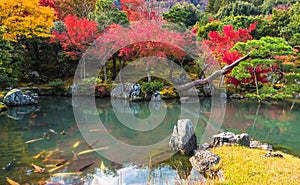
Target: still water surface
[[272, 123]]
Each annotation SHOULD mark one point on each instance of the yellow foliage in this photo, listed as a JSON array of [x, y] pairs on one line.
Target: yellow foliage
[[168, 93], [25, 19]]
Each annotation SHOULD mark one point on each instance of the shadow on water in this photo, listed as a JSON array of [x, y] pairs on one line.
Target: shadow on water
[[53, 121]]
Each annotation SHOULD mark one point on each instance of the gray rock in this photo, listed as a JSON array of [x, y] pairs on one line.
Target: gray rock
[[126, 91], [230, 139], [243, 139], [258, 144], [156, 96], [183, 137], [225, 138], [204, 160], [204, 146], [15, 97]]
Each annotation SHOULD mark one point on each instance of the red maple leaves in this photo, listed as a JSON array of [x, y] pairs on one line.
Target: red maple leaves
[[79, 33]]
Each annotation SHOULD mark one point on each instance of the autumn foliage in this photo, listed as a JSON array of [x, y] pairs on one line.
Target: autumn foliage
[[220, 44], [147, 39], [25, 19], [79, 33]]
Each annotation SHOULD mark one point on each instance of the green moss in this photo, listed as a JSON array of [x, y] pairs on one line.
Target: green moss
[[243, 165]]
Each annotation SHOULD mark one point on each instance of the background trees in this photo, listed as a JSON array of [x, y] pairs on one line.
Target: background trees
[[183, 14], [50, 36]]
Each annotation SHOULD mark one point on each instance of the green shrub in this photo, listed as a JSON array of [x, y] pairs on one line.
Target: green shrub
[[287, 67], [57, 85], [151, 87]]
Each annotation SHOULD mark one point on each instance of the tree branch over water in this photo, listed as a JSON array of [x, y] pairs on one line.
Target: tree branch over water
[[213, 76]]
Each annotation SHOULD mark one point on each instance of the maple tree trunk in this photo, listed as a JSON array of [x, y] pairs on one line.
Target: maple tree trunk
[[114, 69], [171, 71], [213, 76], [105, 73], [256, 82]]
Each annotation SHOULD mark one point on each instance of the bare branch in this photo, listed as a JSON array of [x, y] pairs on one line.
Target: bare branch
[[213, 76]]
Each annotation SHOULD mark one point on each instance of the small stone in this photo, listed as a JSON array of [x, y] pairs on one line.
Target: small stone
[[204, 160], [243, 139], [156, 96], [225, 138]]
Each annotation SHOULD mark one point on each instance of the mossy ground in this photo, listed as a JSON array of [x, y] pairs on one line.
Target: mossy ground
[[242, 165]]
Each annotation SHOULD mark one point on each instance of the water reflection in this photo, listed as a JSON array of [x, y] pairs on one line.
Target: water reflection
[[273, 123]]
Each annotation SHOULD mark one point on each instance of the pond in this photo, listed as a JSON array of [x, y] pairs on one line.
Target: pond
[[131, 138]]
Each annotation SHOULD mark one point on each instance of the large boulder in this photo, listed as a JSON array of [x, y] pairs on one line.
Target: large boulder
[[126, 91], [204, 160], [183, 137], [16, 97]]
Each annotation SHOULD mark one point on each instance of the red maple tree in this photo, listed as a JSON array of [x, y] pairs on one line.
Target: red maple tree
[[79, 33], [220, 44]]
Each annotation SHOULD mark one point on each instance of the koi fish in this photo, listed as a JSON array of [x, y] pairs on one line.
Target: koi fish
[[62, 163], [86, 166], [50, 154], [34, 116], [53, 131], [37, 168], [37, 156], [102, 166], [58, 167], [11, 182], [92, 150], [34, 140], [9, 165], [76, 144], [50, 165], [66, 174], [99, 130]]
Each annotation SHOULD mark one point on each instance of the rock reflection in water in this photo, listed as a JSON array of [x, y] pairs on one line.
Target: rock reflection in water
[[133, 175]]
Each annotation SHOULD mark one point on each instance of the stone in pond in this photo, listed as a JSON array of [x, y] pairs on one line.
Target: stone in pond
[[183, 137], [15, 97], [156, 96]]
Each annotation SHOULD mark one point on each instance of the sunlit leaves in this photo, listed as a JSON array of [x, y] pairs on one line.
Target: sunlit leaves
[[25, 19]]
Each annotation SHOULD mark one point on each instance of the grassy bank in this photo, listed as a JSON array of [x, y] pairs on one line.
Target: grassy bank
[[243, 165]]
